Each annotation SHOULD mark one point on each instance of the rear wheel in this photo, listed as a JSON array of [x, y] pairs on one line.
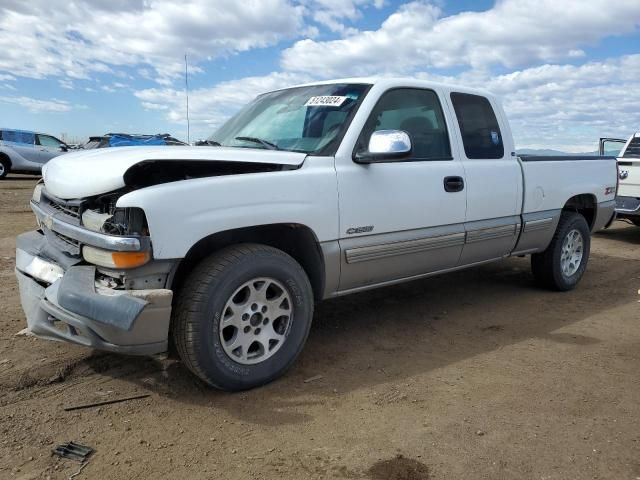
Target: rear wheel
[[562, 264], [243, 316], [4, 168]]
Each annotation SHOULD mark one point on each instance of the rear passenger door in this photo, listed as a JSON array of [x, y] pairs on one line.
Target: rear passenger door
[[399, 218], [493, 179]]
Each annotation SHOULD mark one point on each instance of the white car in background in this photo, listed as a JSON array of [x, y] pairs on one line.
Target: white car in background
[[628, 198]]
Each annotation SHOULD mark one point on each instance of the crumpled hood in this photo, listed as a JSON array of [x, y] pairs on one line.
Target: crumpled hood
[[93, 172]]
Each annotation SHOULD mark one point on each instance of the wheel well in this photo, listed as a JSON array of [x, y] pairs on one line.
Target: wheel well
[[5, 157], [585, 204], [297, 240]]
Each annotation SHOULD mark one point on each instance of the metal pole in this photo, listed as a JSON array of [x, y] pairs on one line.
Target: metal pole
[[186, 85]]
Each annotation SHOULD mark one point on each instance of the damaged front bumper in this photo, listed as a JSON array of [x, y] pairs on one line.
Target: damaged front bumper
[[65, 303]]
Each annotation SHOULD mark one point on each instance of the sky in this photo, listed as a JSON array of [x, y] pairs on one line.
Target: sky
[[567, 71]]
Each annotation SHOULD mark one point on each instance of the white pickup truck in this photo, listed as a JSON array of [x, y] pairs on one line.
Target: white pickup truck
[[628, 198], [308, 193]]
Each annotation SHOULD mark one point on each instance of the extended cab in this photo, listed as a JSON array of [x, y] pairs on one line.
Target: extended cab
[[307, 193], [628, 198]]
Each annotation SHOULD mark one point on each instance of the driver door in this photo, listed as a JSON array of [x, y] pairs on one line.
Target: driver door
[[398, 218]]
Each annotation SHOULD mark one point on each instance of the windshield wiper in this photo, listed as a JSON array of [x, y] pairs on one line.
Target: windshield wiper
[[264, 143], [212, 143]]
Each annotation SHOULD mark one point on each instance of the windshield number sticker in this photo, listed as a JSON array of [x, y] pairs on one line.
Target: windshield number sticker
[[325, 101]]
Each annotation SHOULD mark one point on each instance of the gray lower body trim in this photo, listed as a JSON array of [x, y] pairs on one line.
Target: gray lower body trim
[[371, 259], [375, 252], [537, 225], [537, 231], [412, 277], [488, 239], [331, 254], [605, 214], [493, 233]]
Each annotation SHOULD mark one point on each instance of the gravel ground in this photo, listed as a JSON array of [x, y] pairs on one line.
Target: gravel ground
[[476, 374]]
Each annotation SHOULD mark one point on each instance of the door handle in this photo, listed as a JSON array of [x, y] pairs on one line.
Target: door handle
[[453, 184]]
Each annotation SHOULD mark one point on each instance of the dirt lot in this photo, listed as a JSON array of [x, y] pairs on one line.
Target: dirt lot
[[471, 375]]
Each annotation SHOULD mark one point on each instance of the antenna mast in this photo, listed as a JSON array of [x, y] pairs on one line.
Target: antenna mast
[[186, 86]]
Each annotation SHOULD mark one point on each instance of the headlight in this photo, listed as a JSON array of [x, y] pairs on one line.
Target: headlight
[[119, 221], [105, 258], [37, 193], [94, 220]]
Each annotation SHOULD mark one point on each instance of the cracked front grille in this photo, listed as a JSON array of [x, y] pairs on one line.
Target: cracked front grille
[[71, 210]]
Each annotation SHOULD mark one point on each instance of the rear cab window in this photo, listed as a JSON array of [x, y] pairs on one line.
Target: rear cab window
[[481, 136]]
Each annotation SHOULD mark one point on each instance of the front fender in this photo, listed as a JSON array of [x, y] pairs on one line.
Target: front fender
[[179, 214]]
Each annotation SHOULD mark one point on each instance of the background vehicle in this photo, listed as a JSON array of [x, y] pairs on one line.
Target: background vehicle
[[22, 151], [128, 140], [312, 192], [628, 197]]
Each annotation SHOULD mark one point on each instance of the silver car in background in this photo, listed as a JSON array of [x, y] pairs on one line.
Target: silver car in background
[[22, 151]]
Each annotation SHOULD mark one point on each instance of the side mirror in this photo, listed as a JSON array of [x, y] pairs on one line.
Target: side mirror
[[64, 148], [386, 145]]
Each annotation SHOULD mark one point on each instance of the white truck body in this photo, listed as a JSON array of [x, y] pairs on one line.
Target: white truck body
[[356, 224], [628, 197]]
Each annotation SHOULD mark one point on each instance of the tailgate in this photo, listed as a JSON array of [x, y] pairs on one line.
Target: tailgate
[[629, 173]]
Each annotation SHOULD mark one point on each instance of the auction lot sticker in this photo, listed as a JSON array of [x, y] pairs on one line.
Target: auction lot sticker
[[325, 101]]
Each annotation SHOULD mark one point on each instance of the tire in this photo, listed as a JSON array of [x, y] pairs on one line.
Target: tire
[[636, 221], [547, 266], [227, 300], [4, 168]]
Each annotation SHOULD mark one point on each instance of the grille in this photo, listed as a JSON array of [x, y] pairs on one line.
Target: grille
[[69, 241], [62, 242], [70, 210]]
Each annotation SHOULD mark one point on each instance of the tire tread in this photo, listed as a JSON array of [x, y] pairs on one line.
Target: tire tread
[[194, 296]]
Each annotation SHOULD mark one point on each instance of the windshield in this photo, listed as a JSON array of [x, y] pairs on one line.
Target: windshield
[[304, 119]]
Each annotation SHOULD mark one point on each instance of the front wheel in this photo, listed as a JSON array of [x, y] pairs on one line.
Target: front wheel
[[562, 264], [243, 316]]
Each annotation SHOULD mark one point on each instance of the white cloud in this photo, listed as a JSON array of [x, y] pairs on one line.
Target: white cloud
[[332, 13], [210, 107], [93, 36], [564, 106], [114, 87], [512, 33], [38, 106], [66, 83], [551, 106]]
